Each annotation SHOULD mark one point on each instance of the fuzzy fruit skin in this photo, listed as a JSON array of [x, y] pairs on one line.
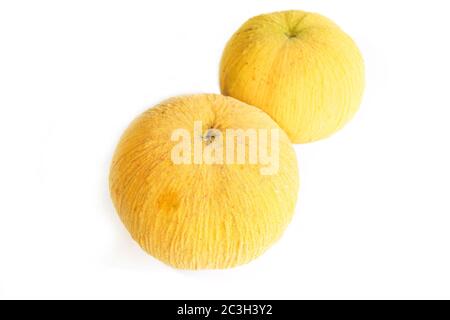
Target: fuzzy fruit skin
[[300, 68], [200, 216]]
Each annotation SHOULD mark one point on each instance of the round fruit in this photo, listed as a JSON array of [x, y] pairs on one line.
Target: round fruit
[[300, 68], [192, 206]]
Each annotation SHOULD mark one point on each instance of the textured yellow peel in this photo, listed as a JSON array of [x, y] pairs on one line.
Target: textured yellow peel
[[300, 68], [195, 216]]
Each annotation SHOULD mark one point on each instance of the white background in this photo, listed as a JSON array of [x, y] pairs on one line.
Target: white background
[[373, 217]]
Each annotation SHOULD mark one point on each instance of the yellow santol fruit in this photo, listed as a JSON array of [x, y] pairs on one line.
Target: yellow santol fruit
[[204, 213], [300, 68]]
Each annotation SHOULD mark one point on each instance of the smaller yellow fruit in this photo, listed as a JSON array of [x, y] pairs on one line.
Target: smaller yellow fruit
[[300, 68]]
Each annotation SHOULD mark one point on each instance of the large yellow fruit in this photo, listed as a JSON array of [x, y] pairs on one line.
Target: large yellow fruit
[[300, 68], [195, 214]]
